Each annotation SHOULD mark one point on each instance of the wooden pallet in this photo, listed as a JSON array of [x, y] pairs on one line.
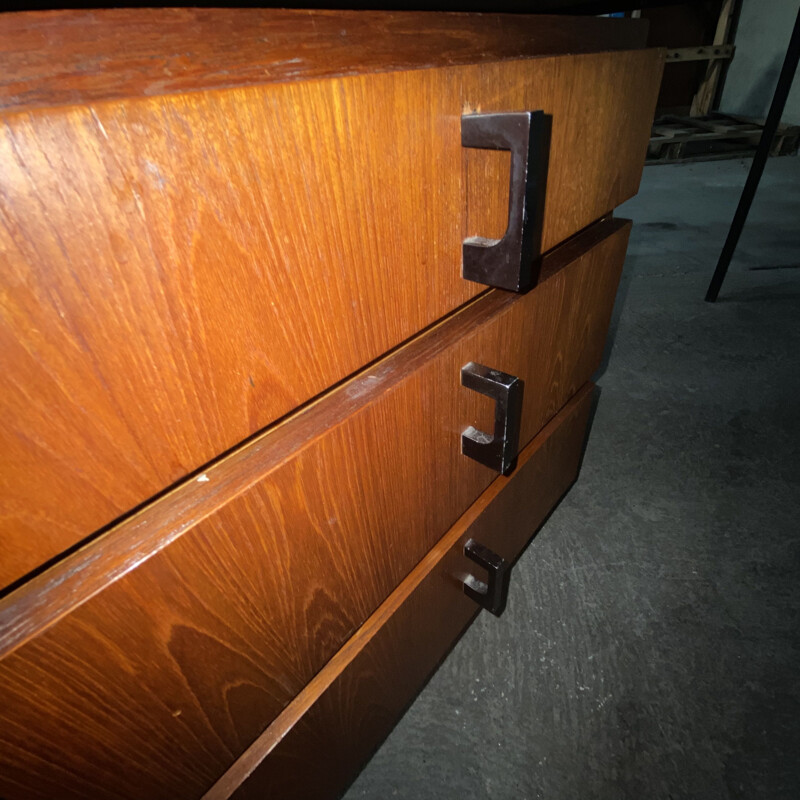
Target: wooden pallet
[[680, 139]]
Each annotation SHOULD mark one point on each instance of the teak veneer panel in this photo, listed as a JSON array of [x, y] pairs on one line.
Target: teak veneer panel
[[181, 271], [54, 593], [70, 57], [343, 714], [158, 653]]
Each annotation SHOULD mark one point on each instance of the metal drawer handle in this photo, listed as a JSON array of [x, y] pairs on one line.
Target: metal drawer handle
[[499, 451], [507, 263], [491, 595]]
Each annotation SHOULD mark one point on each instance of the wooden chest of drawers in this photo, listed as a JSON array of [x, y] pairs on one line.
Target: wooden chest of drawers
[[250, 488]]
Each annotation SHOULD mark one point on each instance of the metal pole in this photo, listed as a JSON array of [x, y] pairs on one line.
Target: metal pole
[[759, 160]]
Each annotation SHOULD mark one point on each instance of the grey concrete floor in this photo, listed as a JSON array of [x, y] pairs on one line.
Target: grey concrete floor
[[650, 645]]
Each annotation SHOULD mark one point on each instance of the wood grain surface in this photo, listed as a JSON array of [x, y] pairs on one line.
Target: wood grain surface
[[352, 704], [56, 592], [207, 627], [81, 56], [179, 272]]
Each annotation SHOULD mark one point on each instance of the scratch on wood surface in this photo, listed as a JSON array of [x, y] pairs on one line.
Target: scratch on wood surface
[[98, 123]]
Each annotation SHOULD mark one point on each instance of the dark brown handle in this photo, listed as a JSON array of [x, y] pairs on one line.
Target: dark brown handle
[[507, 263], [493, 594], [498, 451]]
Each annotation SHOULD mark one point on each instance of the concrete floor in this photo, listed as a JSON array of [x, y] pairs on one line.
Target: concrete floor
[[650, 645]]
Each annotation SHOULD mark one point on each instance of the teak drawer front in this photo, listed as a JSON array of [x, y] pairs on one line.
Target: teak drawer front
[[158, 653], [181, 271], [314, 748]]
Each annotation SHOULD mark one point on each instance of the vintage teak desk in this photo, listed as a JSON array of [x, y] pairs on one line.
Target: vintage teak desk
[[298, 316]]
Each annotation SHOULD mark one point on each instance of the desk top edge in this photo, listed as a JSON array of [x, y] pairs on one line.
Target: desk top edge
[[73, 57]]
